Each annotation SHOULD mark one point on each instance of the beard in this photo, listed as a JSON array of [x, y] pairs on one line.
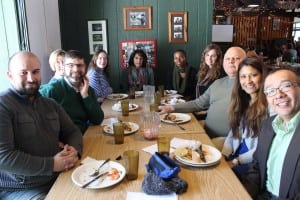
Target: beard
[[30, 89], [75, 80]]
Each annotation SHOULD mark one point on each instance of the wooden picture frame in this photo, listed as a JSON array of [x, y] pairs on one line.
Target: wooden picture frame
[[177, 21], [148, 46], [97, 31], [137, 18]]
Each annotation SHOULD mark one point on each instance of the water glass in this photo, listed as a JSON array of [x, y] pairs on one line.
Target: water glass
[[163, 145], [149, 93], [118, 129], [131, 158], [161, 89], [131, 93], [125, 107], [151, 124]]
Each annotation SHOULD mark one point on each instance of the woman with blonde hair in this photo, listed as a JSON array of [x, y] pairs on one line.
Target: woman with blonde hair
[[56, 59]]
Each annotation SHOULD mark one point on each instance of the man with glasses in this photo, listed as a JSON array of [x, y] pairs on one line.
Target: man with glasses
[[275, 171], [216, 98], [74, 94]]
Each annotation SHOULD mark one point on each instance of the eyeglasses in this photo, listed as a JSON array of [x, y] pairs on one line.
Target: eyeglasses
[[73, 65], [285, 87], [233, 58]]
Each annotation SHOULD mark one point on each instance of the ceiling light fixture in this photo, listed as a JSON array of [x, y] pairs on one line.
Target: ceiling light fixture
[[252, 5]]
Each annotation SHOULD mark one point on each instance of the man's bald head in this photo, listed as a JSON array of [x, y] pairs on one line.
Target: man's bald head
[[24, 73], [21, 55], [232, 58]]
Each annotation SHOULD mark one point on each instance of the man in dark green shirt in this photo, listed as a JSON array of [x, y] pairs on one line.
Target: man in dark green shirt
[[74, 94]]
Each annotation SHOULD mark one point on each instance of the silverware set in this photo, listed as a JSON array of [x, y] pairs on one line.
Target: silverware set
[[96, 174]]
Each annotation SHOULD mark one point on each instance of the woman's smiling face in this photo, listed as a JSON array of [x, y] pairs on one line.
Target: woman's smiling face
[[250, 79]]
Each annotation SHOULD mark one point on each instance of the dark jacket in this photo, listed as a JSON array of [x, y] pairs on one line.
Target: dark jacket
[[255, 179]]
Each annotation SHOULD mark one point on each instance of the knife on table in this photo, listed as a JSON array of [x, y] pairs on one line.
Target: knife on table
[[201, 153], [94, 179]]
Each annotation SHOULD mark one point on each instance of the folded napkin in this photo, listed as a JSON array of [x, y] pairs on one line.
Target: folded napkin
[[143, 196], [88, 160]]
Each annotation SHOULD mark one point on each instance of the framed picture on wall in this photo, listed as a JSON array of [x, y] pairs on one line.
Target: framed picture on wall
[[137, 18], [177, 21], [128, 46], [97, 30]]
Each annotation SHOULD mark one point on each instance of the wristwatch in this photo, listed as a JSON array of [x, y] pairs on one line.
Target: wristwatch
[[235, 162]]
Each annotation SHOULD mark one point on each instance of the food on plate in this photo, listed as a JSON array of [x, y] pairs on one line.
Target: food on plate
[[170, 117], [196, 156], [132, 106], [189, 154], [171, 101], [117, 96], [114, 174], [127, 126]]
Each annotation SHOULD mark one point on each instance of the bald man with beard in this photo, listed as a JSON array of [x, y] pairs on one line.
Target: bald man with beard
[[37, 137]]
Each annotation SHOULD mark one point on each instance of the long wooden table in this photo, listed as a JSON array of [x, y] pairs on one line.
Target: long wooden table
[[216, 182], [135, 116]]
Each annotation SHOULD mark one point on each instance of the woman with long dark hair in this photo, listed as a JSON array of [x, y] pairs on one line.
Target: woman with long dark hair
[[247, 110], [137, 73]]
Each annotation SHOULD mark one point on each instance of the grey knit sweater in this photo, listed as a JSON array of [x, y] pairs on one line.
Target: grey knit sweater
[[216, 99], [29, 136]]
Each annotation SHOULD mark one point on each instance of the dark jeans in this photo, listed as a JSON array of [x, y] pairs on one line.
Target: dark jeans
[[38, 193]]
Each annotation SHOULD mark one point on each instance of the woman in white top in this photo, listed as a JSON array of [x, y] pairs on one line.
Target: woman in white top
[[247, 109]]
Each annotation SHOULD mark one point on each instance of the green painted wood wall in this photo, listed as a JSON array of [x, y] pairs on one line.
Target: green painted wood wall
[[74, 15]]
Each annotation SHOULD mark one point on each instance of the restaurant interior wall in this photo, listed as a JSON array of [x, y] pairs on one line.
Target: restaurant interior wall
[[252, 30], [74, 15], [8, 37]]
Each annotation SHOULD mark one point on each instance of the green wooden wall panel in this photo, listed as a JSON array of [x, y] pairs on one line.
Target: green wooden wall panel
[[75, 13]]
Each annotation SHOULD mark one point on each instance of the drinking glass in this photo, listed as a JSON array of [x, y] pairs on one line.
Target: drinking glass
[[131, 158], [163, 145], [125, 107], [118, 129], [151, 124]]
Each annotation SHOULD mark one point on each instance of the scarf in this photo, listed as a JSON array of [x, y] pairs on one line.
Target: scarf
[[206, 80], [137, 77], [180, 84]]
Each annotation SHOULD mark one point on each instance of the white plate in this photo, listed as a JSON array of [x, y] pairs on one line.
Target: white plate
[[213, 156], [81, 175], [134, 127], [139, 93], [171, 101], [131, 107], [117, 96], [170, 92], [109, 121], [180, 118]]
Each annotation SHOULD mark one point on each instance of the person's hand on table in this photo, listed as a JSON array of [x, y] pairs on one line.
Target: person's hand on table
[[65, 159], [165, 109]]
